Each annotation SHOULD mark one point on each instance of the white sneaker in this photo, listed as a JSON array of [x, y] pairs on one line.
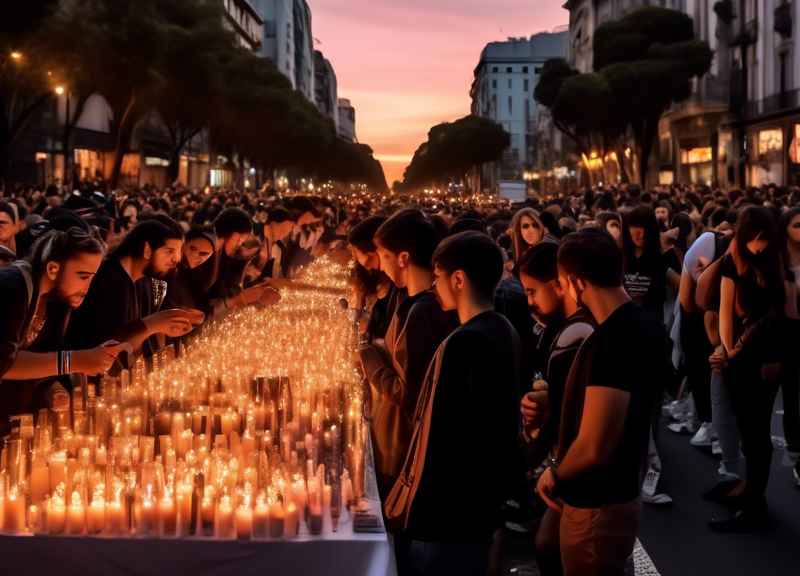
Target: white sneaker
[[725, 473], [683, 427], [658, 499], [704, 435], [680, 409], [716, 449]]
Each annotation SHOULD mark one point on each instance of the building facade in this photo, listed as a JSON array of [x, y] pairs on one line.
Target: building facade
[[288, 40], [326, 94], [502, 90], [347, 120], [764, 127], [245, 21]]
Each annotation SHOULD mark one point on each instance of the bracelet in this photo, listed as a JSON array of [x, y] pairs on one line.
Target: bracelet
[[63, 364], [67, 362]]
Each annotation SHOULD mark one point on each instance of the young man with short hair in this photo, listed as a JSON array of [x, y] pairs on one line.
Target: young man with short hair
[[458, 472], [608, 407]]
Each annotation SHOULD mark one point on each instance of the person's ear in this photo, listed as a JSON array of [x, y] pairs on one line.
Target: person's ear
[[402, 259], [580, 284], [147, 253], [459, 280], [52, 270]]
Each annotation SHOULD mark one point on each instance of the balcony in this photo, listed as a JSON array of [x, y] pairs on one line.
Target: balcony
[[783, 19], [775, 103]]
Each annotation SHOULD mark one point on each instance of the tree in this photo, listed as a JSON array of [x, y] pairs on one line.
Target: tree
[[454, 148], [27, 77], [643, 63]]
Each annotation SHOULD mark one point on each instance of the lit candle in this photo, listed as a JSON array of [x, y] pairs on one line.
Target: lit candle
[[146, 517], [276, 519], [58, 469], [100, 456], [40, 479], [96, 517], [57, 515], [227, 423], [244, 523], [292, 520], [168, 516], [260, 519], [225, 518], [116, 518], [14, 514], [207, 514], [185, 509], [315, 518], [76, 517], [248, 445]]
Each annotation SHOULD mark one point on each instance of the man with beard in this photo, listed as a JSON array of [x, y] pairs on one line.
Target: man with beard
[[38, 296], [374, 282], [113, 305], [565, 329]]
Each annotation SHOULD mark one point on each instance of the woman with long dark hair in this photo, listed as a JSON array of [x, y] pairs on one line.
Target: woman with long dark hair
[[645, 275], [527, 231], [753, 334]]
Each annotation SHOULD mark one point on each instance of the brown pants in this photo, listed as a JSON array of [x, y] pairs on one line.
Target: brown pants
[[599, 540]]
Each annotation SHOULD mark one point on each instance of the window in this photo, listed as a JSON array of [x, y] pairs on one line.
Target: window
[[509, 83], [537, 70], [525, 83], [494, 83], [524, 69], [494, 69], [510, 105], [508, 69], [269, 29]]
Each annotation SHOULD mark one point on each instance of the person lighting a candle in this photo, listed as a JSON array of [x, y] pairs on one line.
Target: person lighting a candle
[[447, 498]]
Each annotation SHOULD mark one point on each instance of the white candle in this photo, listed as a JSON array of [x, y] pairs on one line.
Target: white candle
[[76, 518], [168, 516], [40, 480], [276, 519], [116, 518], [184, 510], [14, 514], [58, 469], [225, 518], [260, 521], [57, 516], [292, 520], [96, 517], [146, 518], [244, 523]]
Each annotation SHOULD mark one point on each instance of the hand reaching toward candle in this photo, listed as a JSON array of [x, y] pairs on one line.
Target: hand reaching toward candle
[[269, 296], [173, 323], [97, 360]]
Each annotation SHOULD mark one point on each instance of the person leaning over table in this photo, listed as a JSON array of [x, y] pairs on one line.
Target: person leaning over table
[[38, 296]]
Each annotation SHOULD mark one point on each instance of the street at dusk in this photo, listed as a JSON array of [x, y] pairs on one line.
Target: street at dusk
[[399, 288]]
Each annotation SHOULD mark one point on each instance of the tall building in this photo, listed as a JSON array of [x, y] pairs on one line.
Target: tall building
[[347, 120], [288, 40], [764, 127], [326, 95], [242, 18], [502, 90]]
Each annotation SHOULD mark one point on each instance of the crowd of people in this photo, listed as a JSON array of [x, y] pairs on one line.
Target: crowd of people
[[517, 358]]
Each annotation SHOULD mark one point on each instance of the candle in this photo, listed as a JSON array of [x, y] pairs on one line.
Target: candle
[[14, 514], [315, 519], [207, 514], [116, 518], [227, 423], [276, 519], [225, 518], [168, 517], [40, 480], [185, 493], [292, 520], [260, 520], [96, 517], [76, 518], [57, 516], [58, 469], [146, 517], [100, 456], [244, 523], [248, 445]]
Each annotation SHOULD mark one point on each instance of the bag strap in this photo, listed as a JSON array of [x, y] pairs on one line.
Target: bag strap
[[27, 273]]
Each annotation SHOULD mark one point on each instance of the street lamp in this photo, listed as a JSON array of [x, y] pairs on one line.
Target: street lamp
[[59, 90], [16, 55]]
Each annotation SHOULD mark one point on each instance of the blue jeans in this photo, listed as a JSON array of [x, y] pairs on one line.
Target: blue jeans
[[415, 558]]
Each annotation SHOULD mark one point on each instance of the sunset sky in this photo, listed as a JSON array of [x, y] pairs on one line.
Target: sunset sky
[[407, 65]]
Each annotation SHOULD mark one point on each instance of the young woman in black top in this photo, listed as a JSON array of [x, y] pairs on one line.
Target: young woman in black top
[[752, 327], [645, 274]]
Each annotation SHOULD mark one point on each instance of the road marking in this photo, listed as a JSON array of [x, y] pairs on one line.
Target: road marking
[[642, 564]]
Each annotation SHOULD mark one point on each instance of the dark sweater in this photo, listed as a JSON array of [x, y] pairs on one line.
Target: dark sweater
[[470, 451]]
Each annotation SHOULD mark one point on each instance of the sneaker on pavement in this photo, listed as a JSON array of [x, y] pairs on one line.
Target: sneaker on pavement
[[716, 449], [659, 500], [723, 471], [704, 435], [682, 427]]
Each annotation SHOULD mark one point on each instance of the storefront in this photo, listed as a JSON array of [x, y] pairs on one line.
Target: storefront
[[771, 152]]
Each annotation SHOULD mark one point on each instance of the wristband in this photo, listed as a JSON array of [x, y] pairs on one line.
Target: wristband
[[63, 362]]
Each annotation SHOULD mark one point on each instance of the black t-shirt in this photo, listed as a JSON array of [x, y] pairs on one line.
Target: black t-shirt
[[753, 298], [646, 282], [16, 312], [626, 352]]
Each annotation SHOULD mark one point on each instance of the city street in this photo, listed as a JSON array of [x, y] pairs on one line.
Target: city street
[[677, 541]]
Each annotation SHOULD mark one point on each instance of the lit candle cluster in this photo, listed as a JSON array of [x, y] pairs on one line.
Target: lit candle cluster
[[253, 431]]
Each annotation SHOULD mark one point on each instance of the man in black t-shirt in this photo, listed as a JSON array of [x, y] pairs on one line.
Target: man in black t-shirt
[[607, 411]]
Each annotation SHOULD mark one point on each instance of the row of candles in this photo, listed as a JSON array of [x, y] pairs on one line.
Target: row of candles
[[253, 430]]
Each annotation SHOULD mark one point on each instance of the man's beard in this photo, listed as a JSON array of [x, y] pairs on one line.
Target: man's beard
[[73, 300], [150, 272]]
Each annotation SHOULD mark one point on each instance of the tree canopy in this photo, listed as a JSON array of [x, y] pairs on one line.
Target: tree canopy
[[171, 60], [453, 148], [643, 63]]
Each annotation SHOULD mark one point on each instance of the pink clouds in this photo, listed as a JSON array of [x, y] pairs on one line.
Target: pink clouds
[[407, 65]]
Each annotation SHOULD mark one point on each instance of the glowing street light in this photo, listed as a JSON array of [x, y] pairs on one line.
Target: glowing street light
[[59, 90], [16, 55]]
